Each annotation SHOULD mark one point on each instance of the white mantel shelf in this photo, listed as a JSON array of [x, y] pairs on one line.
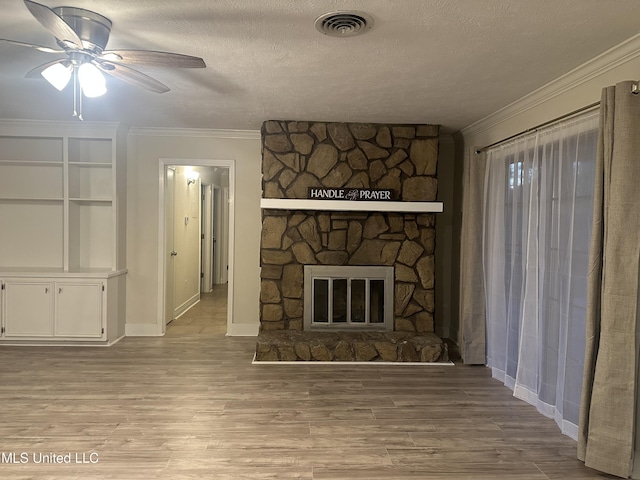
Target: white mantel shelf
[[350, 205]]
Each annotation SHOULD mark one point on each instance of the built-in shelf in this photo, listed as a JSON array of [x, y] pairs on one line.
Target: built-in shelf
[[91, 164], [31, 199], [62, 233], [350, 206], [30, 163], [90, 200]]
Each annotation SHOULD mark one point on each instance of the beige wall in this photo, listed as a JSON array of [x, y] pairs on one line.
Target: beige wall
[[144, 152], [446, 314], [145, 148]]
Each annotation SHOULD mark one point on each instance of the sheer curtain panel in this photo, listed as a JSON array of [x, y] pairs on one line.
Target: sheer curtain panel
[[537, 223]]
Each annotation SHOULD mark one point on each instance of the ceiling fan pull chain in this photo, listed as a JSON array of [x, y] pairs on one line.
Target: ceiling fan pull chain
[[77, 97], [75, 92], [79, 102]]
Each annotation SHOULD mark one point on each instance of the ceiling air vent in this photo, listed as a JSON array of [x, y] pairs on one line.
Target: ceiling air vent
[[343, 23]]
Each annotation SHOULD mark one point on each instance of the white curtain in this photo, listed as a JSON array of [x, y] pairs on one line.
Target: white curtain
[[537, 225]]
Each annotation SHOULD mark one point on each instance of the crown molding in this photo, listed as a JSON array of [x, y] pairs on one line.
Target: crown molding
[[196, 132], [9, 126], [606, 61]]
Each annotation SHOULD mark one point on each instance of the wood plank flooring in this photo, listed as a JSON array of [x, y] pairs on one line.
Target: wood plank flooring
[[191, 405]]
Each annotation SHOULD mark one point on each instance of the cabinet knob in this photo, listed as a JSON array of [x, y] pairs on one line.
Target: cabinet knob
[[59, 289], [174, 253], [46, 290]]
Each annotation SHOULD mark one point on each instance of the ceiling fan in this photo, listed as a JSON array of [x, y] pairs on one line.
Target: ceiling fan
[[82, 36]]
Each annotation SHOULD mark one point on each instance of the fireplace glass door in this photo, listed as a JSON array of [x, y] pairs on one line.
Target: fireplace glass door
[[348, 298]]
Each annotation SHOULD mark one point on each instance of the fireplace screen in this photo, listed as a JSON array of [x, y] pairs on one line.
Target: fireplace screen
[[351, 298]]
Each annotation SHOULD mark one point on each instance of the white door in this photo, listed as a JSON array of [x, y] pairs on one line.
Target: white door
[[169, 208], [207, 239], [78, 309], [28, 308]]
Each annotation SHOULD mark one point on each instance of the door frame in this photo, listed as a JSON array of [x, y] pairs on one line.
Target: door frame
[[169, 208], [220, 247], [162, 279]]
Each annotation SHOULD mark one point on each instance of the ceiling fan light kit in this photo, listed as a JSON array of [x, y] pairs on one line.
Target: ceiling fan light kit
[[58, 74], [83, 35], [91, 80]]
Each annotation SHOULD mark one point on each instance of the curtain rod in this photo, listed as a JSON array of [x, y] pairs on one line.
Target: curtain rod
[[537, 127]]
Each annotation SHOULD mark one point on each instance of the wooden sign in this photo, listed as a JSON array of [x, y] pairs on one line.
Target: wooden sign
[[354, 194]]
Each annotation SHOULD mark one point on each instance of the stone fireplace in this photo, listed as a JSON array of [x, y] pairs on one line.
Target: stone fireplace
[[299, 156]]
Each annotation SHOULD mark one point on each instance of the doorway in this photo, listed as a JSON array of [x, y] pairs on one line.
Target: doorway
[[195, 237], [214, 227]]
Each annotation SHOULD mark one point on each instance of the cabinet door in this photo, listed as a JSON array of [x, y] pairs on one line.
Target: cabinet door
[[28, 308], [78, 309]]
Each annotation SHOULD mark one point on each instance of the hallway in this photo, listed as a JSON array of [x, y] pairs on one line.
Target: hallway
[[208, 317]]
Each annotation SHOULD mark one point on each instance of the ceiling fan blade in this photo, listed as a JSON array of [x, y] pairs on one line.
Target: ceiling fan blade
[[132, 76], [37, 72], [152, 58], [52, 22], [40, 48]]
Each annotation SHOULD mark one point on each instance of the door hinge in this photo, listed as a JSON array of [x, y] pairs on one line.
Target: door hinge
[[103, 330], [202, 236], [2, 330], [201, 274], [2, 285], [103, 288]]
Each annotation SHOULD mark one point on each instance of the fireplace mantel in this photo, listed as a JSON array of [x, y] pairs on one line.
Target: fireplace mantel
[[350, 206]]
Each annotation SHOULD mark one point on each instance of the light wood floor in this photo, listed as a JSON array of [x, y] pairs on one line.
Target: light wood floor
[[207, 317], [191, 405]]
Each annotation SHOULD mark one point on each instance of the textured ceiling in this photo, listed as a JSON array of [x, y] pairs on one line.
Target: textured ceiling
[[450, 62]]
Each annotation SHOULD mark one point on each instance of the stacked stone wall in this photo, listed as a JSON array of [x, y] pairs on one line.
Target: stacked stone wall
[[299, 155]]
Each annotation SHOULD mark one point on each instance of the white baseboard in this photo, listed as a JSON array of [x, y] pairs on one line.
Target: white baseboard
[[243, 329], [116, 340], [184, 308], [142, 330]]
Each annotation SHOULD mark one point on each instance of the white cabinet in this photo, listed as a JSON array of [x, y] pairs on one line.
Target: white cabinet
[[78, 309], [88, 309], [27, 308], [63, 230]]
